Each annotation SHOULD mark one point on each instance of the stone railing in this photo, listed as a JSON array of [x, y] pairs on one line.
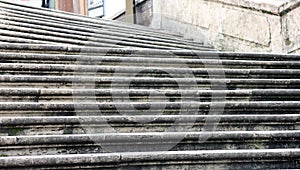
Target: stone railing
[[243, 25]]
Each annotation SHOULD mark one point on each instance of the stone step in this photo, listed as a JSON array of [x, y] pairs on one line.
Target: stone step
[[32, 37], [105, 61], [92, 53], [145, 142], [163, 63], [57, 20], [235, 159], [218, 110], [63, 17], [57, 17], [144, 82], [35, 36], [155, 106], [47, 125], [73, 31], [124, 70], [9, 39], [93, 108], [103, 112], [47, 36], [109, 95]]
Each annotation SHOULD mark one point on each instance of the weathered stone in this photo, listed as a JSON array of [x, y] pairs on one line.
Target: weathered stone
[[258, 33], [291, 29], [164, 107], [234, 25]]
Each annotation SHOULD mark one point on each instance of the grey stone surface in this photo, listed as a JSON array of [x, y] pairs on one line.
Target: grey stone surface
[[193, 158], [47, 122], [233, 25]]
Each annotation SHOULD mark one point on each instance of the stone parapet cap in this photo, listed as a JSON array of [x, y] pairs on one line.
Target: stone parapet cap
[[279, 7], [286, 7]]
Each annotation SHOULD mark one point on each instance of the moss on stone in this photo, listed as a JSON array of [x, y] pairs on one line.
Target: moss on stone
[[3, 155], [15, 131]]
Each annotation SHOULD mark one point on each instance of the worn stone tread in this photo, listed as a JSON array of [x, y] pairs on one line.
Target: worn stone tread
[[144, 158], [34, 120]]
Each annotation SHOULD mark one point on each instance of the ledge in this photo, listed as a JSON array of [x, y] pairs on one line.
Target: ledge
[[274, 8]]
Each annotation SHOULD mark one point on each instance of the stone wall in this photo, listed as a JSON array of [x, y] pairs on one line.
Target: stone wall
[[291, 31], [240, 25], [144, 11]]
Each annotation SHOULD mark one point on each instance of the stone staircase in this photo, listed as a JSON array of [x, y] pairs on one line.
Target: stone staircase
[[82, 93]]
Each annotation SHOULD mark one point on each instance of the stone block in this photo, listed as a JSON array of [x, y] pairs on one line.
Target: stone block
[[247, 26], [292, 29], [243, 25]]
